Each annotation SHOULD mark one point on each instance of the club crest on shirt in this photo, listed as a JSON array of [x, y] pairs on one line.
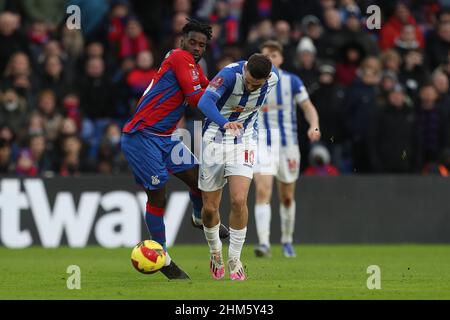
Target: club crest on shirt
[[194, 74], [216, 83], [155, 180]]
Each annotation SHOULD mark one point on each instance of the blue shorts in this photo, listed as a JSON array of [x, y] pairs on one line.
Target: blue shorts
[[152, 158]]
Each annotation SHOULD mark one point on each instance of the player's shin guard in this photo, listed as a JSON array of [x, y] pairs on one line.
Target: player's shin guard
[[197, 204], [237, 239], [287, 215], [262, 218], [154, 219]]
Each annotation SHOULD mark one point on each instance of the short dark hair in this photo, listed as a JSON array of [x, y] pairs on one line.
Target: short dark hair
[[272, 45], [197, 26], [259, 66]]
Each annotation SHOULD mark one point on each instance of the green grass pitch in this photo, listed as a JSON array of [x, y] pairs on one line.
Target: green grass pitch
[[319, 272]]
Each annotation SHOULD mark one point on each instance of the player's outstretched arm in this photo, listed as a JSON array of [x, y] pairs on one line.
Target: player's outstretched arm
[[312, 118]]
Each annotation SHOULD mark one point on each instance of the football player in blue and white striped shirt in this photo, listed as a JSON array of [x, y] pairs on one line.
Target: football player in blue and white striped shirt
[[279, 153], [235, 95]]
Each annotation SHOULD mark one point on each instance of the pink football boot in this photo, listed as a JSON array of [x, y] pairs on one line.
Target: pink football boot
[[216, 266]]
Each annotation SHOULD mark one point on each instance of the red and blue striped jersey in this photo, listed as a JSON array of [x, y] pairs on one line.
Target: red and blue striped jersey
[[179, 82]]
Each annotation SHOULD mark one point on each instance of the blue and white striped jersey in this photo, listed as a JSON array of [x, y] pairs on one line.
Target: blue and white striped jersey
[[278, 116], [237, 104]]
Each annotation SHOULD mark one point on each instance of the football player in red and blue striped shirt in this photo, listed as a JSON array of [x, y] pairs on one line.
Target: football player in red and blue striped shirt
[[148, 142]]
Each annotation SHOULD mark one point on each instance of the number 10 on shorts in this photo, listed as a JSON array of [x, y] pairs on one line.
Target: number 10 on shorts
[[249, 157]]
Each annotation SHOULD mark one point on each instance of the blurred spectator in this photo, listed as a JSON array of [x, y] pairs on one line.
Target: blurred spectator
[[12, 110], [149, 13], [38, 35], [445, 67], [388, 82], [183, 6], [228, 24], [258, 35], [391, 60], [73, 43], [173, 40], [352, 54], [329, 98], [120, 11], [311, 27], [438, 47], [19, 74], [392, 29], [319, 159], [283, 35], [407, 40], [110, 160], [397, 135], [254, 11], [133, 40], [6, 162], [348, 8], [432, 125], [41, 158], [68, 128], [71, 105], [51, 48], [96, 49], [140, 77], [362, 108], [51, 116], [306, 65], [54, 77], [413, 74], [96, 91], [72, 161], [441, 84], [11, 39], [35, 125], [25, 166], [97, 95], [334, 36], [353, 31], [328, 4]]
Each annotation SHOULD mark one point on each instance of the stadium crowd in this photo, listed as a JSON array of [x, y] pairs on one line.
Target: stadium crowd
[[382, 95]]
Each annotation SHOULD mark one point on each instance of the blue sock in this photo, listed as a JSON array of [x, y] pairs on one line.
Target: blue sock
[[154, 218], [197, 203]]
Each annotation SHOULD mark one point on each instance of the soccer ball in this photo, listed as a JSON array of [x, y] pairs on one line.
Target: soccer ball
[[148, 256]]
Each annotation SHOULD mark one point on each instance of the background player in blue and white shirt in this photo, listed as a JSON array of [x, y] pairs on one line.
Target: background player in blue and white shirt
[[236, 94], [279, 153]]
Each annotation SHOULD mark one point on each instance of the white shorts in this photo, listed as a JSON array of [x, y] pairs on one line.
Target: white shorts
[[282, 162], [222, 160]]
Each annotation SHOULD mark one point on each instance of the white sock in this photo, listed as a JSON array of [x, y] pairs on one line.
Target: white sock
[[168, 259], [263, 215], [212, 236], [287, 216], [237, 239]]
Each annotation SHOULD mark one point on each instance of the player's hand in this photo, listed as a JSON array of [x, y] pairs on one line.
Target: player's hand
[[314, 134], [235, 127]]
